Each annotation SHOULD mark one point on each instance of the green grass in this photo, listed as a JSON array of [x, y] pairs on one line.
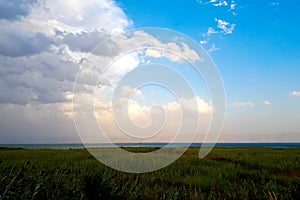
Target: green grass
[[229, 173]]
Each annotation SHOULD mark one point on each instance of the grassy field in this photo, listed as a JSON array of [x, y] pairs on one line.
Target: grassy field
[[229, 173]]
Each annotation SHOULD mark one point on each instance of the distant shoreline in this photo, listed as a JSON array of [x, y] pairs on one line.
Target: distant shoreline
[[149, 145]]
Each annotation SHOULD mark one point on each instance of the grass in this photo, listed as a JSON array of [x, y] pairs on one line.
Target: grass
[[229, 173]]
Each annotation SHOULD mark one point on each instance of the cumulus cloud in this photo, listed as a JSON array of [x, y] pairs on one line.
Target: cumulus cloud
[[295, 93], [15, 42], [41, 52], [123, 113], [76, 15], [13, 10], [43, 46], [129, 92]]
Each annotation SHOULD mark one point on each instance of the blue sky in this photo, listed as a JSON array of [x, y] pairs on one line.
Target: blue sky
[[254, 44], [260, 55], [259, 61]]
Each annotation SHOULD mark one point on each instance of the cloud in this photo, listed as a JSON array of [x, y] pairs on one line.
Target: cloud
[[221, 3], [242, 104], [226, 27], [13, 10], [43, 48], [274, 4], [203, 41], [167, 50], [295, 93], [40, 53], [75, 42], [267, 103], [144, 120], [129, 92], [15, 42], [206, 36], [231, 6], [211, 31], [213, 48], [31, 124], [203, 106], [74, 15], [206, 2]]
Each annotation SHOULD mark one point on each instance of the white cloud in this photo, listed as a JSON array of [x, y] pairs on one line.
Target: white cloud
[[211, 31], [129, 92], [213, 48], [232, 8], [203, 106], [221, 3], [206, 36], [153, 53], [206, 2], [168, 50], [274, 4], [267, 103], [233, 5], [81, 15], [242, 104], [295, 93], [122, 113], [41, 53], [226, 27], [203, 41]]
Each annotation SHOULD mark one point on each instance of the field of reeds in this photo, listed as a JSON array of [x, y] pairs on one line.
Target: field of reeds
[[226, 173]]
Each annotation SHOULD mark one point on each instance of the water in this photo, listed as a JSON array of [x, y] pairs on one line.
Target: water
[[153, 145]]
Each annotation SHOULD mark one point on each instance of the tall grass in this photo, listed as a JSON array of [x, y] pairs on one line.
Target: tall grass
[[237, 173]]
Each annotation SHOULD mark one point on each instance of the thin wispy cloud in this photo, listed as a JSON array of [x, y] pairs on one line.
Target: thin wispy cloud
[[274, 5], [206, 36], [230, 5], [225, 27], [213, 48], [242, 104], [221, 3], [206, 2], [211, 31]]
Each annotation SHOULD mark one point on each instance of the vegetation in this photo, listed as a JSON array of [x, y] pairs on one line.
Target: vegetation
[[229, 173]]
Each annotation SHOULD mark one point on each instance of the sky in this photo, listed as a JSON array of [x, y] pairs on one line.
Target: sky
[[50, 47]]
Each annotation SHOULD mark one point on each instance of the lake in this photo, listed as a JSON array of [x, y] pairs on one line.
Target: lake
[[151, 145]]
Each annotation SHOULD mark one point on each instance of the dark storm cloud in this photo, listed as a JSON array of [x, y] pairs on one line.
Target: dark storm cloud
[[15, 9]]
